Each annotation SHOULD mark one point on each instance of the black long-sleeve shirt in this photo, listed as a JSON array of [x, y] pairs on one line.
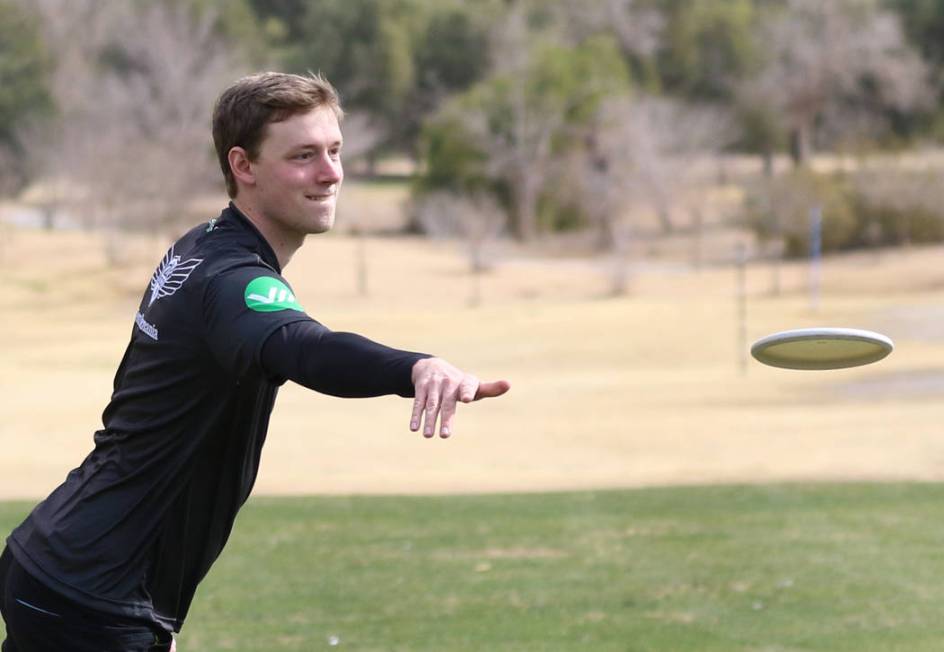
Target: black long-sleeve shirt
[[137, 525]]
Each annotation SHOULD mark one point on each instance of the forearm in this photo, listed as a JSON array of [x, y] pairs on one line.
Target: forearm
[[336, 363]]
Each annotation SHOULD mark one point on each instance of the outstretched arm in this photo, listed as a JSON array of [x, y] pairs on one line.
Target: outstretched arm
[[351, 366]]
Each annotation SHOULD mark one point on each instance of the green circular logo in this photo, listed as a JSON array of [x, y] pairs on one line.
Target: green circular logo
[[267, 294]]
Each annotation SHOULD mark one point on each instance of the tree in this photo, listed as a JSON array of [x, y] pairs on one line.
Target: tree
[[827, 61], [643, 153], [706, 46], [526, 115], [762, 126], [25, 67], [451, 55], [365, 47], [637, 28], [923, 21], [394, 60], [134, 89]]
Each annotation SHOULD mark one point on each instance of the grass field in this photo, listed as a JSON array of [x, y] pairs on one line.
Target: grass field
[[829, 568]]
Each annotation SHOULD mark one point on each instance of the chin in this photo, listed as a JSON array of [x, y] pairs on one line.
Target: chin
[[322, 224]]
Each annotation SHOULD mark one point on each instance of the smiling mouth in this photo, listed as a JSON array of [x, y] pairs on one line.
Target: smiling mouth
[[320, 197]]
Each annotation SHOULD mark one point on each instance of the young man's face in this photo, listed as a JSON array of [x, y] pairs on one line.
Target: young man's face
[[298, 172]]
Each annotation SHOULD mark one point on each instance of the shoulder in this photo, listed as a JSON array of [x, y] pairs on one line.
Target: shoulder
[[222, 250], [256, 284]]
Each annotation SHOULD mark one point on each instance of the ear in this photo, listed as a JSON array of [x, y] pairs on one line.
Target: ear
[[241, 166]]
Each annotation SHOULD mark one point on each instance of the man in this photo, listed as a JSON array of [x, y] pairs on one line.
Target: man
[[112, 558]]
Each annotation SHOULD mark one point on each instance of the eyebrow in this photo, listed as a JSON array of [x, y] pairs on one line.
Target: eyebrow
[[336, 143]]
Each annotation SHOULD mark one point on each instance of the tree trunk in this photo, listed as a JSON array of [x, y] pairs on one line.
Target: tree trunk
[[665, 218], [371, 160], [526, 212], [698, 238], [619, 281], [606, 240], [800, 147], [768, 155], [49, 218]]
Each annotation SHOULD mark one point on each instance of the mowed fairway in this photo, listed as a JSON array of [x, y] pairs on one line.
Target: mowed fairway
[[845, 568], [607, 392]]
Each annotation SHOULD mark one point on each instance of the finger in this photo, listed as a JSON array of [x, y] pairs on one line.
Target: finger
[[418, 404], [467, 388], [492, 389], [432, 411], [448, 412]]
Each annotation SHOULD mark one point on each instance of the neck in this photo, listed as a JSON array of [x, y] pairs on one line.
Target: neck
[[283, 242]]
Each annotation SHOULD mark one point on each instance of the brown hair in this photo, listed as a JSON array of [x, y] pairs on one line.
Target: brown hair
[[244, 110]]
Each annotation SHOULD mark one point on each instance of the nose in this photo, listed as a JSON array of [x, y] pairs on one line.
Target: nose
[[330, 171]]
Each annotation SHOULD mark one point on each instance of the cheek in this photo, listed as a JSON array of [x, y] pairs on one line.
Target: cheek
[[296, 175], [286, 176]]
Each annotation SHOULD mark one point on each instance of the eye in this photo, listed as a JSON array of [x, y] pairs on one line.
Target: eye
[[304, 156]]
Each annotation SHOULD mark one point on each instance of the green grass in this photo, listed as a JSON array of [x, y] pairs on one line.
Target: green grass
[[826, 567]]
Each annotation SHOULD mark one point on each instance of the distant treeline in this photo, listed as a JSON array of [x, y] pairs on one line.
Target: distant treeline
[[560, 114]]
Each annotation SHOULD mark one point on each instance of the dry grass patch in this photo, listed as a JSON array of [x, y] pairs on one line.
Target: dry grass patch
[[639, 390]]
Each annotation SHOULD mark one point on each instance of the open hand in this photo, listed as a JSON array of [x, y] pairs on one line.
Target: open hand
[[439, 386]]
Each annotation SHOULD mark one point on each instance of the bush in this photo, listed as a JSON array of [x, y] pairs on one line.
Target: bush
[[864, 209], [897, 207], [782, 208]]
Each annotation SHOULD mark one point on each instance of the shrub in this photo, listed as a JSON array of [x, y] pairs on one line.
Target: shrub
[[782, 208], [871, 207], [896, 207]]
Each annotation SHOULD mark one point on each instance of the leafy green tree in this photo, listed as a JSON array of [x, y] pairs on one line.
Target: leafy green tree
[[237, 23], [923, 21], [455, 161], [513, 129], [450, 56], [706, 45], [394, 60], [25, 67], [452, 53], [365, 47], [285, 12]]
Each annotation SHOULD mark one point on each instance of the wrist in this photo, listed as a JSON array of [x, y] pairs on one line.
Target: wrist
[[418, 368]]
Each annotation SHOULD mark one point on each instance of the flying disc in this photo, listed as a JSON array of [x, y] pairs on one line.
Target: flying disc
[[821, 348]]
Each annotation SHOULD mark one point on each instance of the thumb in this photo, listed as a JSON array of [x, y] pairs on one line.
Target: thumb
[[492, 389]]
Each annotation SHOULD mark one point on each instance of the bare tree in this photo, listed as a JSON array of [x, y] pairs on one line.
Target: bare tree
[[135, 86], [362, 135], [74, 32], [645, 152], [520, 152], [477, 219], [539, 94], [637, 28], [827, 59]]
